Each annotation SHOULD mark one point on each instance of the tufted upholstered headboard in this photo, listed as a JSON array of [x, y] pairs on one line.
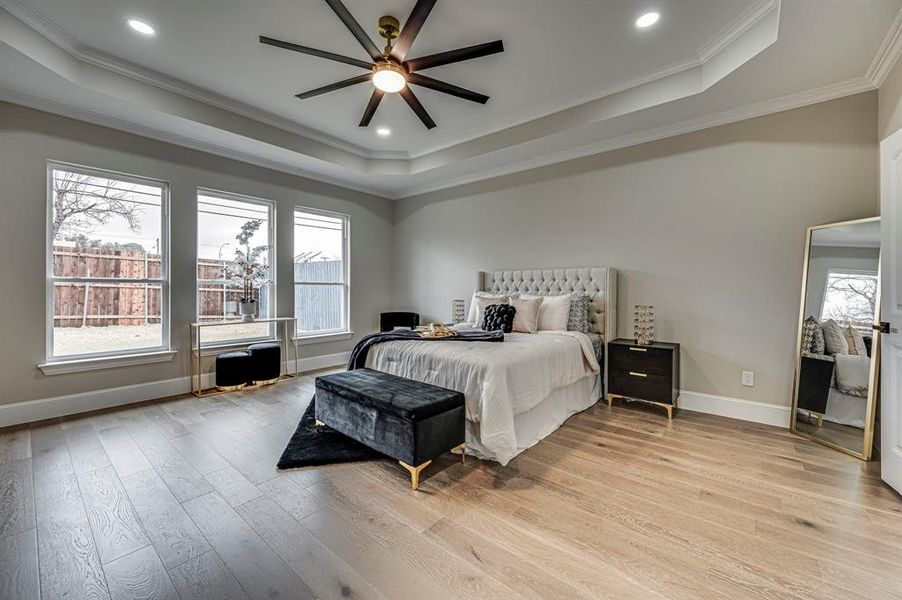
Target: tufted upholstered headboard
[[600, 283]]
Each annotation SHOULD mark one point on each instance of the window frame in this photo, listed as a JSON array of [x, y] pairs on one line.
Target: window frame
[[51, 279], [346, 274], [273, 256], [832, 271]]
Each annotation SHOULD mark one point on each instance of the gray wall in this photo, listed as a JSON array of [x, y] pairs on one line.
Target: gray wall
[[709, 227], [29, 138], [824, 258], [890, 115]]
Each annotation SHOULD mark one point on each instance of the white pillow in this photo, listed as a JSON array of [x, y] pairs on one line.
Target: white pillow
[[526, 319], [855, 341], [834, 340], [553, 313]]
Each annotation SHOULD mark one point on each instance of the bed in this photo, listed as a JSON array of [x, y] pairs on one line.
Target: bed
[[519, 391]]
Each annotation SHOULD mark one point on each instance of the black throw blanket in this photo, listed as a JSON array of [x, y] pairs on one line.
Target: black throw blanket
[[359, 354]]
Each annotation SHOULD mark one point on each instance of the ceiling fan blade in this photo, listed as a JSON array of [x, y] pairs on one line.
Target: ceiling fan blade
[[412, 27], [453, 56], [314, 52], [371, 107], [355, 28], [335, 86], [448, 88], [414, 103]]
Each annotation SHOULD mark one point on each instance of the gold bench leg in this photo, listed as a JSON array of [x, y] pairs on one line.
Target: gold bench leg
[[463, 452], [415, 472], [319, 424]]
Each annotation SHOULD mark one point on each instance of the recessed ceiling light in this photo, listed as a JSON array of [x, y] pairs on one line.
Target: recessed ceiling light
[[648, 19], [141, 27], [383, 132]]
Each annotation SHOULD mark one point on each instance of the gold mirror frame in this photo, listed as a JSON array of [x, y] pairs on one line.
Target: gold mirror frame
[[873, 384]]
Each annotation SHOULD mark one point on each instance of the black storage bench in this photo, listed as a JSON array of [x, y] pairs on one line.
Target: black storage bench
[[410, 421]]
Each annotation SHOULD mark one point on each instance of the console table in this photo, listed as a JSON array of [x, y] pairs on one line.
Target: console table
[[288, 339]]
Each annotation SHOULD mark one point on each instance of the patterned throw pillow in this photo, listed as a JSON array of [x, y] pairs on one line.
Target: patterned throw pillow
[[812, 336], [579, 313], [499, 316]]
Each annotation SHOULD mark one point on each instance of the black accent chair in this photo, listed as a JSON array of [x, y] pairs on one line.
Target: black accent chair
[[233, 370], [265, 363], [389, 320]]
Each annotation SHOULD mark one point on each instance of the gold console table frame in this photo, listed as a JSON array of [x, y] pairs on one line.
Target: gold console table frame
[[285, 341]]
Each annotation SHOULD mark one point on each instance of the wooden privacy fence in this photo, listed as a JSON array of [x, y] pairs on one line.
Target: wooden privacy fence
[[80, 304]]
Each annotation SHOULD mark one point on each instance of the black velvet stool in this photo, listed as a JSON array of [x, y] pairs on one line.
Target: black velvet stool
[[266, 362], [233, 370]]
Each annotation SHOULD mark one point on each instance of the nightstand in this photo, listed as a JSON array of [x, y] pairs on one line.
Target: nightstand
[[648, 373]]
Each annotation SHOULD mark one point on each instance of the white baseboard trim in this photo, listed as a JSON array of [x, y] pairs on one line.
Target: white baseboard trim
[[71, 404], [735, 408]]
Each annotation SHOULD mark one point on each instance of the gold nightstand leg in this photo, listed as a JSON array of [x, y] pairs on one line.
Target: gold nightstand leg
[[415, 472]]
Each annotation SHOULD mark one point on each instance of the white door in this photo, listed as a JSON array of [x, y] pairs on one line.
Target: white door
[[891, 309]]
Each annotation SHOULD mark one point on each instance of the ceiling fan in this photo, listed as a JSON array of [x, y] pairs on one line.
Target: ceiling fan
[[389, 70]]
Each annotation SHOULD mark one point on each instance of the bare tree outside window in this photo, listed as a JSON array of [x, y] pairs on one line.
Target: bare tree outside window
[[850, 298], [81, 203]]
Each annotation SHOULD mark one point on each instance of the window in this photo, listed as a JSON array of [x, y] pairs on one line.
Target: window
[[221, 219], [850, 298], [107, 264], [320, 272]]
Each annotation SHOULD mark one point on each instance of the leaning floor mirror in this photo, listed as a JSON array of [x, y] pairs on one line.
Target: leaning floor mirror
[[838, 356]]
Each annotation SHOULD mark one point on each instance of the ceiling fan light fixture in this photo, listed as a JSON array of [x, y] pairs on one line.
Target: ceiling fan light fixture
[[389, 77]]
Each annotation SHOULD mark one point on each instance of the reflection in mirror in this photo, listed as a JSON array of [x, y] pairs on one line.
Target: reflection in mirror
[[838, 351]]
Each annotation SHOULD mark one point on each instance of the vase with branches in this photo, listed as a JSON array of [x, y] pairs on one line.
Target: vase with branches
[[249, 269]]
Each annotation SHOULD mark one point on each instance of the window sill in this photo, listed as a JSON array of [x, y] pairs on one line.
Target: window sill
[[321, 338], [63, 367]]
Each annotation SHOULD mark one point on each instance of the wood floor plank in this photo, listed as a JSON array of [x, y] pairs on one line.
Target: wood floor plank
[[16, 497], [85, 449], [233, 486], [19, 566], [116, 526], [259, 570], [172, 532], [180, 476], [139, 576], [67, 556], [199, 454], [124, 454], [206, 578], [15, 444], [327, 575]]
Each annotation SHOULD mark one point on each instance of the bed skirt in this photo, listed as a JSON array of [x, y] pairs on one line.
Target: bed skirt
[[534, 425]]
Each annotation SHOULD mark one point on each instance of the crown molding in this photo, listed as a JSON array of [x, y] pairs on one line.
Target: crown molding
[[888, 53], [751, 111], [72, 112]]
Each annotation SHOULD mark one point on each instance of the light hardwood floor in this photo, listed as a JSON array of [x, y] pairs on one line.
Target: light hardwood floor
[[181, 499]]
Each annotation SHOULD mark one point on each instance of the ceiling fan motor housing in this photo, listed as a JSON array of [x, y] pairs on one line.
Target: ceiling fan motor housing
[[389, 28]]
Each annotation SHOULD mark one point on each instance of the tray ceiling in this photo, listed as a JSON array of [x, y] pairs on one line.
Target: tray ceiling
[[575, 77]]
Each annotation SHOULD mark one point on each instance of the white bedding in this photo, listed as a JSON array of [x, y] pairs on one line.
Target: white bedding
[[499, 380]]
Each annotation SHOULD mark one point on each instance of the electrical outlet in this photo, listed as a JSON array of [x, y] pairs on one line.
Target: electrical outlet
[[748, 378]]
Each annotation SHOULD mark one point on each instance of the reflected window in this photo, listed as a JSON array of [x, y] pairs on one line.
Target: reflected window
[[850, 298]]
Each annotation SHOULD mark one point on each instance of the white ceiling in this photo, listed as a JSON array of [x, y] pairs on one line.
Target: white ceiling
[[854, 235], [576, 77]]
